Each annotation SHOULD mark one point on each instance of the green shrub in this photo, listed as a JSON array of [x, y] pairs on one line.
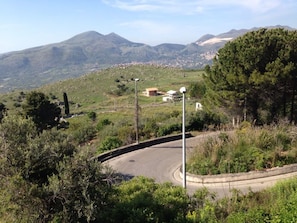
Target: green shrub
[[102, 123], [92, 115], [143, 200], [283, 139], [150, 128], [168, 129], [126, 134], [257, 215], [84, 134], [109, 143], [266, 140], [245, 125], [201, 120], [80, 191], [195, 121]]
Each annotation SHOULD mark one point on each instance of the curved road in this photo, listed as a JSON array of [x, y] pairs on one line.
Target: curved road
[[162, 162]]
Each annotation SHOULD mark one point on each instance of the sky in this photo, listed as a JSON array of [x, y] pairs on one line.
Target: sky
[[31, 23]]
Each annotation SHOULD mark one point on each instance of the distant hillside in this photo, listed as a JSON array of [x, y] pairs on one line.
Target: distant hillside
[[92, 51]]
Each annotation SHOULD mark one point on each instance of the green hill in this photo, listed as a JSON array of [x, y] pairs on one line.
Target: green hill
[[101, 91], [110, 94]]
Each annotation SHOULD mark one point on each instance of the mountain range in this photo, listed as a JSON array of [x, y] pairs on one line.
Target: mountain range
[[91, 51]]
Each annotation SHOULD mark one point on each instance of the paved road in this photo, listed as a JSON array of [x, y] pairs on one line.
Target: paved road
[[162, 162]]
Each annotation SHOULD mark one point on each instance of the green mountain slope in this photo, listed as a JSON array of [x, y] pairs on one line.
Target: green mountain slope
[[91, 51], [100, 91]]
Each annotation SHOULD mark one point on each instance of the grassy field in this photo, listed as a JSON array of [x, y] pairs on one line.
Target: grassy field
[[95, 91]]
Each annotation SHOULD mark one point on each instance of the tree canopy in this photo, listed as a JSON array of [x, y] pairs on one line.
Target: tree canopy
[[44, 114], [256, 75]]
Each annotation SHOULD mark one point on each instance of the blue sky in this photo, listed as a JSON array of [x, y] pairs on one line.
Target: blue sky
[[25, 24]]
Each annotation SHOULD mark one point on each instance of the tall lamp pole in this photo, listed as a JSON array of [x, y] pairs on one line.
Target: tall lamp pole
[[136, 111], [183, 91]]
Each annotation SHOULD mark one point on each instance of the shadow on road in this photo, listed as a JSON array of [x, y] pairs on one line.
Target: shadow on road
[[123, 177]]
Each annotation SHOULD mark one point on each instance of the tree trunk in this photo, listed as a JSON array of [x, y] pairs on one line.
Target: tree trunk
[[285, 101], [293, 100]]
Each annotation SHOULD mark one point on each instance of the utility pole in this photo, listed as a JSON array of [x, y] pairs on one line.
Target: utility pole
[[136, 111]]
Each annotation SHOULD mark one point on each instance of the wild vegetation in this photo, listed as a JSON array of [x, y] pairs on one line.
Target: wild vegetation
[[253, 77], [247, 149], [102, 104], [45, 178], [46, 170]]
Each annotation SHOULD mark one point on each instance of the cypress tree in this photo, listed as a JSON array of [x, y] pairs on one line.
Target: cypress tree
[[66, 104]]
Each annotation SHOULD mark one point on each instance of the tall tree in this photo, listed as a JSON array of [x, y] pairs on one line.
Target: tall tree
[[44, 114], [66, 103], [257, 74], [2, 111]]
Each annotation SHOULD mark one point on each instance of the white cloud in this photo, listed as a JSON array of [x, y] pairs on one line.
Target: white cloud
[[193, 6], [165, 6], [134, 5]]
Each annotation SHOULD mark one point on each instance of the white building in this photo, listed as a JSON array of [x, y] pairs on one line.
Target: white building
[[171, 96], [198, 106]]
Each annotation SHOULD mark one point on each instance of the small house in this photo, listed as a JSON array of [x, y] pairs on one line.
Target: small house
[[151, 92]]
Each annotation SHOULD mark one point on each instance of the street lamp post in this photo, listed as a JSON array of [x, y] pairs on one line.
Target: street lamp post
[[183, 91], [136, 111]]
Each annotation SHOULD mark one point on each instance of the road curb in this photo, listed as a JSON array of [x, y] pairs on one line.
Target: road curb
[[129, 148], [235, 177]]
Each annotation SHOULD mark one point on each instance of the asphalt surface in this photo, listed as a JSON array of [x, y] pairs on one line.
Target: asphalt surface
[[162, 162]]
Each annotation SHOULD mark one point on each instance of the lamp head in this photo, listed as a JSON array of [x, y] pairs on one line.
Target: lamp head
[[136, 79], [183, 90]]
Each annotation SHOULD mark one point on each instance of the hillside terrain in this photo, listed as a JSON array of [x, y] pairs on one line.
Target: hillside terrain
[[110, 94], [91, 51], [111, 89], [48, 175]]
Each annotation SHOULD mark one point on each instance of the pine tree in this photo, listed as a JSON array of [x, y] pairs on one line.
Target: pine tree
[[257, 73], [44, 114]]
